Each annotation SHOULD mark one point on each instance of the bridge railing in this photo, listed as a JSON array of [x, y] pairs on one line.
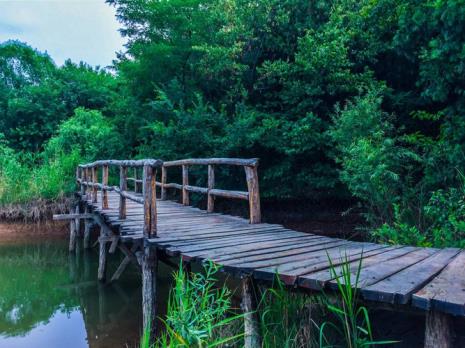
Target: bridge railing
[[87, 178], [252, 195]]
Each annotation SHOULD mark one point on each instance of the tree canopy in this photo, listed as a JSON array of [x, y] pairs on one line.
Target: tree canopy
[[340, 99]]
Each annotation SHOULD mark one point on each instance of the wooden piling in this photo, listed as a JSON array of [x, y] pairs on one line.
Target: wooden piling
[[87, 228], [102, 260], [77, 210], [149, 288], [72, 235], [438, 330], [252, 337]]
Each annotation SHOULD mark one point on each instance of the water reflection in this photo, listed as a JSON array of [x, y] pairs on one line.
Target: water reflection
[[50, 298]]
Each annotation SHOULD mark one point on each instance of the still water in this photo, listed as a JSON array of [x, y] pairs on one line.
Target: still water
[[50, 298]]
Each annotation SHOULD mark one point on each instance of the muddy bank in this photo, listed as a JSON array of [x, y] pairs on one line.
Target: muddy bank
[[11, 232], [40, 210]]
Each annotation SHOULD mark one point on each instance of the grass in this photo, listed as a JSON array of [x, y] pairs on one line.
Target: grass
[[202, 315], [352, 322]]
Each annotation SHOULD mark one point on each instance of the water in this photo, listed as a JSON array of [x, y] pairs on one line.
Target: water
[[50, 298]]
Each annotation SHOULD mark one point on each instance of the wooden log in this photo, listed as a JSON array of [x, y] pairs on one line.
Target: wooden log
[[81, 178], [123, 186], [102, 260], [77, 221], [229, 194], [149, 288], [104, 183], [61, 217], [197, 189], [72, 235], [163, 183], [206, 161], [211, 186], [150, 203], [94, 188], [254, 194], [185, 182], [87, 229], [125, 163], [87, 178], [438, 330], [252, 338]]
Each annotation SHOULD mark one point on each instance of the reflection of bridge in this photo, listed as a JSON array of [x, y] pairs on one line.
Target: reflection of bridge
[[146, 229]]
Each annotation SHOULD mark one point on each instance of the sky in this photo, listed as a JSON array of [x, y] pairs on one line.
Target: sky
[[82, 30]]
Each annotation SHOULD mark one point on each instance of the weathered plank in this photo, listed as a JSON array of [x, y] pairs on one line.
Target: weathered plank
[[399, 287], [446, 292]]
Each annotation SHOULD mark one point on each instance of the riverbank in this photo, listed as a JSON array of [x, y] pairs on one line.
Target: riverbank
[[35, 211], [12, 232]]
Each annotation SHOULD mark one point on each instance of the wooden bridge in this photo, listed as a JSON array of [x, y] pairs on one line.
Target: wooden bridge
[[147, 229]]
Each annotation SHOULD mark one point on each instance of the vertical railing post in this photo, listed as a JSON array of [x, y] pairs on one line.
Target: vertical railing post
[[211, 186], [87, 174], [123, 186], [82, 177], [150, 202], [185, 182], [94, 181], [104, 184], [254, 194], [163, 183], [135, 180]]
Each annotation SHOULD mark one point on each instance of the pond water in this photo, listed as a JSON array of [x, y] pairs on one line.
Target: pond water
[[50, 298]]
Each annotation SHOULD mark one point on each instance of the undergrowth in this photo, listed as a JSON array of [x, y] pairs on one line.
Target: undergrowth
[[200, 314]]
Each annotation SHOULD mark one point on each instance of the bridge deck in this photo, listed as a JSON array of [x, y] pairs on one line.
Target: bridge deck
[[426, 278]]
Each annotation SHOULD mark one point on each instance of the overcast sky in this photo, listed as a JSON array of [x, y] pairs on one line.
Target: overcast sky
[[84, 30]]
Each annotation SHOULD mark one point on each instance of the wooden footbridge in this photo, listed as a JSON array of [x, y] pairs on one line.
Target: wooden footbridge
[[148, 229]]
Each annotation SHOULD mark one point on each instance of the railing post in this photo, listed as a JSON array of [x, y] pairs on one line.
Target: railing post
[[150, 202], [135, 179], [211, 185], [87, 174], [82, 177], [123, 186], [94, 181], [254, 194], [185, 182], [104, 183], [163, 183]]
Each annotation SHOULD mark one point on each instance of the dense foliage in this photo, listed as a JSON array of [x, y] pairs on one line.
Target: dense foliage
[[340, 99]]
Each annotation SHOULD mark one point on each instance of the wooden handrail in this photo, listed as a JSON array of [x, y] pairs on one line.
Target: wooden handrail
[[252, 194], [87, 178]]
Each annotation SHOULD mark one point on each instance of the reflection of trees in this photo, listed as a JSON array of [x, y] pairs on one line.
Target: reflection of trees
[[37, 280], [31, 286]]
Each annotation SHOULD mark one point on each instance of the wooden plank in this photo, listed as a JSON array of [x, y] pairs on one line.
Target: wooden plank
[[318, 280], [399, 287], [290, 270], [373, 274], [446, 292], [265, 247]]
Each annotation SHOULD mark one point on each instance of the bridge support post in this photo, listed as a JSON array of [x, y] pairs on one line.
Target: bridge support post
[[102, 259], [87, 227], [252, 337], [438, 330], [72, 235], [149, 288]]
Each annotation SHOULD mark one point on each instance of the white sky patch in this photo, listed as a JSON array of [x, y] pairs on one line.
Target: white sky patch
[[84, 30]]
